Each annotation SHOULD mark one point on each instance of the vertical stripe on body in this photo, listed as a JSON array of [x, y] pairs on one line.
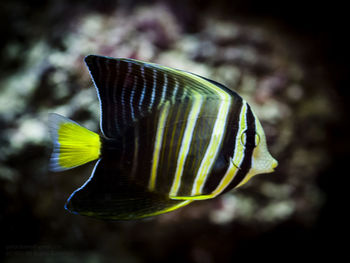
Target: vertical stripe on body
[[136, 152], [131, 102], [248, 150], [157, 145], [186, 142], [154, 87], [175, 90], [172, 138], [108, 79], [200, 141], [164, 91], [171, 151], [143, 92], [238, 156], [113, 96], [214, 145], [124, 90], [226, 152]]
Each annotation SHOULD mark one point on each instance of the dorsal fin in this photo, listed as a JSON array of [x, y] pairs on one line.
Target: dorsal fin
[[130, 89]]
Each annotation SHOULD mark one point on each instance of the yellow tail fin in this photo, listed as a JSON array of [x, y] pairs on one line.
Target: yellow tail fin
[[73, 145]]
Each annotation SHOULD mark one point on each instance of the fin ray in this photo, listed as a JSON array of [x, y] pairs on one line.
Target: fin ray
[[73, 145], [109, 194], [129, 90]]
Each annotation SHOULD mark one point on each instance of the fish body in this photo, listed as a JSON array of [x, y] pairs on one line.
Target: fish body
[[168, 138]]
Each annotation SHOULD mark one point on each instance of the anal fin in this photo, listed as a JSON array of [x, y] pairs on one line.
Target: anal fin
[[109, 194]]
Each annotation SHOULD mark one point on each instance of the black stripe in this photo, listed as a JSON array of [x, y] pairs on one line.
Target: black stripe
[[127, 83], [228, 147], [248, 151], [181, 89], [201, 137], [135, 90], [116, 95], [174, 131], [148, 92], [148, 130], [136, 152], [111, 118], [166, 164], [119, 150], [165, 152]]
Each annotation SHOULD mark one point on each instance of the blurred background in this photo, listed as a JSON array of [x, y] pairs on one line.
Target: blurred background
[[288, 59]]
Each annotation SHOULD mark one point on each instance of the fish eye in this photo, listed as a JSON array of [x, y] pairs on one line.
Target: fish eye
[[257, 139], [244, 138]]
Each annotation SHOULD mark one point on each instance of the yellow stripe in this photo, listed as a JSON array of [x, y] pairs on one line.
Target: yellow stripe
[[219, 126], [185, 145], [239, 148], [236, 161], [157, 145], [166, 155], [193, 198], [172, 208], [258, 130], [238, 153], [229, 175], [214, 145]]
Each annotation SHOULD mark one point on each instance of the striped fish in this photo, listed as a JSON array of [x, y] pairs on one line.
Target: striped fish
[[168, 138]]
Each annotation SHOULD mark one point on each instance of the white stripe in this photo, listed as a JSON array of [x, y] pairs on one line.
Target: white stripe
[[132, 98], [184, 94], [186, 142], [164, 89], [176, 88], [143, 89], [153, 89]]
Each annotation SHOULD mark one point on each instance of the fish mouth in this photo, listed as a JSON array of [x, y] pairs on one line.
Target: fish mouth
[[274, 164], [271, 168]]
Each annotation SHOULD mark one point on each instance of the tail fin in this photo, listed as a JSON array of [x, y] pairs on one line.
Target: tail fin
[[73, 145]]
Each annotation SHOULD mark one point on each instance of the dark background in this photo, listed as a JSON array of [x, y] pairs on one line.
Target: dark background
[[323, 25]]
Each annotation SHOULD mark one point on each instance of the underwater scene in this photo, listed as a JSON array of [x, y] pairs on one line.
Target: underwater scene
[[171, 131]]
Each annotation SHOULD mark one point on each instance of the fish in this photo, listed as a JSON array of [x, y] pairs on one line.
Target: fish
[[167, 138]]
